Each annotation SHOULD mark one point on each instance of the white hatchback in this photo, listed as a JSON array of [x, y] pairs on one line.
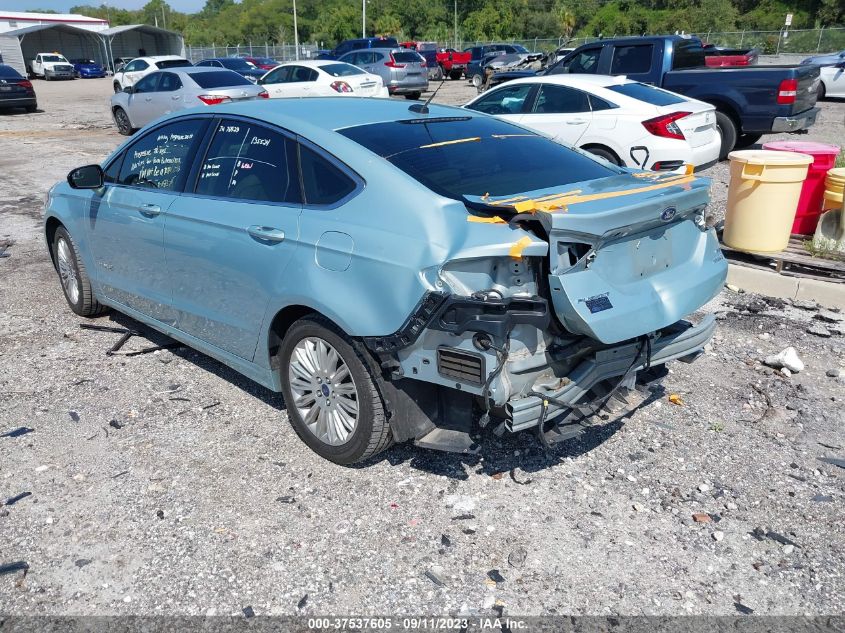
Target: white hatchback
[[321, 78], [623, 121]]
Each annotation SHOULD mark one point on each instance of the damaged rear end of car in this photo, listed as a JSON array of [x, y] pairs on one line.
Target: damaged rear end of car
[[567, 285]]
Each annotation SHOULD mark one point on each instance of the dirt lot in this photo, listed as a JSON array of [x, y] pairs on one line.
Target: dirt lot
[[166, 483]]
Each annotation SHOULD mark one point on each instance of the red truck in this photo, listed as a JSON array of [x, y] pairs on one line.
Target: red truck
[[727, 57], [442, 62]]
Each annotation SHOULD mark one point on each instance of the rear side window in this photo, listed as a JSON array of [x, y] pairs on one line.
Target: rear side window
[[689, 54], [649, 94], [249, 162], [458, 156], [161, 158], [560, 100], [341, 70], [597, 104], [629, 60], [322, 182], [169, 82], [173, 63], [220, 79], [406, 57], [301, 73]]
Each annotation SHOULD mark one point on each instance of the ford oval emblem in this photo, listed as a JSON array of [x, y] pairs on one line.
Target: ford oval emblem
[[668, 214]]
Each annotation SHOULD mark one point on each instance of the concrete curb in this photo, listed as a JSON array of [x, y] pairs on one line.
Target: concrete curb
[[771, 284]]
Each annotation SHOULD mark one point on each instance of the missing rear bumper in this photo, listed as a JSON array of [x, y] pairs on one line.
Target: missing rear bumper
[[679, 341]]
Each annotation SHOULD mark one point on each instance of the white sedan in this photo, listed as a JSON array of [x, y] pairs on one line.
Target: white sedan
[[625, 122], [321, 78], [832, 81]]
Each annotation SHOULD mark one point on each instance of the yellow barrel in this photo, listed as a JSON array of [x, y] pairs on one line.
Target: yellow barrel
[[834, 188], [762, 198]]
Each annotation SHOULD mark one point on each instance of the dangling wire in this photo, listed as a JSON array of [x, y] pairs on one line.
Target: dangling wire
[[502, 357]]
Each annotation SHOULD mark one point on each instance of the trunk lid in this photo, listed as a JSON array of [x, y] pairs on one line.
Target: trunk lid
[[626, 254], [699, 126]]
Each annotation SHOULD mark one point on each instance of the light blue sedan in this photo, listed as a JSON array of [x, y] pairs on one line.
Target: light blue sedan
[[398, 273]]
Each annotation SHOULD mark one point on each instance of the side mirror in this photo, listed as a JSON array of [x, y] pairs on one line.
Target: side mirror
[[87, 177], [129, 90], [840, 65]]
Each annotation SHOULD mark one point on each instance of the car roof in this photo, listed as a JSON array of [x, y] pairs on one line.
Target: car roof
[[314, 63], [576, 80], [157, 58], [195, 70]]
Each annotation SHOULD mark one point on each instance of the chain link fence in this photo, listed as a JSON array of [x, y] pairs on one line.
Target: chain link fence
[[799, 41]]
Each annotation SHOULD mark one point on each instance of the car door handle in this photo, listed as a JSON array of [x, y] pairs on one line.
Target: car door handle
[[175, 97], [266, 233], [576, 121], [148, 99], [150, 210]]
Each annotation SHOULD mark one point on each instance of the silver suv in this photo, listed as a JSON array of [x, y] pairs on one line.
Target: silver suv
[[404, 72]]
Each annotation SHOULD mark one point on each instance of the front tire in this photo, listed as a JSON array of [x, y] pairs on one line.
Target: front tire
[[822, 92], [477, 80], [727, 129], [116, 87], [455, 75], [436, 74], [121, 119], [73, 276], [330, 390]]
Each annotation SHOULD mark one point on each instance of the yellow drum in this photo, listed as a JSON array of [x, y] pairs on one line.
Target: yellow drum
[[762, 198], [834, 189]]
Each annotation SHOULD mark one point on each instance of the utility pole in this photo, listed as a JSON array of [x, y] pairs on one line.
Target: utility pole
[[295, 33], [456, 24], [363, 18], [163, 20]]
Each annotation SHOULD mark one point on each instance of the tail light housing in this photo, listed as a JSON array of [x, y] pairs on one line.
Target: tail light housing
[[263, 95], [213, 99], [26, 83], [665, 125], [787, 91], [392, 63], [341, 86]]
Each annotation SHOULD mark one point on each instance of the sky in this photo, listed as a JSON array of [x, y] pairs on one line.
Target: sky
[[63, 6]]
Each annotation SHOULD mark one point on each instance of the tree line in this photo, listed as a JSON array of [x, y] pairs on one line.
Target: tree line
[[227, 23]]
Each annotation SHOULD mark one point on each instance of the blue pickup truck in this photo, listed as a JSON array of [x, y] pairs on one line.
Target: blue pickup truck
[[750, 101]]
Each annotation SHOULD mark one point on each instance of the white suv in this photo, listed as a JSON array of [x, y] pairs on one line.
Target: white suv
[[140, 67]]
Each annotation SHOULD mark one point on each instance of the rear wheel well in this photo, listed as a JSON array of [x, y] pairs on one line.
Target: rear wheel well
[[50, 230], [605, 148], [724, 108], [280, 325]]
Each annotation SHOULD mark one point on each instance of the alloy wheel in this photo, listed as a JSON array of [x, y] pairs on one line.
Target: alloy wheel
[[67, 271], [323, 390]]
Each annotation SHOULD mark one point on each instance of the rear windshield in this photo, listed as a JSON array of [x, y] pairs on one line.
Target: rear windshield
[[406, 57], [341, 70], [173, 63], [649, 94], [460, 156], [220, 79], [8, 71]]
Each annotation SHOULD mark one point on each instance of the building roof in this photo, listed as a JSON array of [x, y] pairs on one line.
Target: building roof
[[24, 16], [115, 30], [61, 26]]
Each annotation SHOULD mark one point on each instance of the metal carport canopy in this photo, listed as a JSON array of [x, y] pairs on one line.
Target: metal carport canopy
[[130, 39], [20, 46]]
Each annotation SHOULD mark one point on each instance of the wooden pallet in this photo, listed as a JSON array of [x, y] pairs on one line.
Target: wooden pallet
[[794, 261]]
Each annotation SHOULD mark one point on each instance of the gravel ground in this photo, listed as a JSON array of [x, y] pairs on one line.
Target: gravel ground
[[166, 483]]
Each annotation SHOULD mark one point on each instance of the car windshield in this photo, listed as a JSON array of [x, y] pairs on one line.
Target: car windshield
[[341, 70], [173, 63], [236, 63], [53, 58], [220, 79], [520, 49], [458, 156], [649, 94]]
